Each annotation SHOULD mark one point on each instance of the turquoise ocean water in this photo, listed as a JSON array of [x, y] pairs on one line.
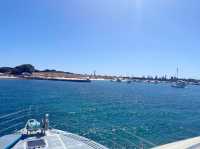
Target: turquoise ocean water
[[113, 114]]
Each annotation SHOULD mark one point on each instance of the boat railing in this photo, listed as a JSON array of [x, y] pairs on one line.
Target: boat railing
[[14, 121], [133, 141]]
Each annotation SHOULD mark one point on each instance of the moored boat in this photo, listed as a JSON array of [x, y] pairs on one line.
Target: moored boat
[[179, 84], [116, 80], [128, 81]]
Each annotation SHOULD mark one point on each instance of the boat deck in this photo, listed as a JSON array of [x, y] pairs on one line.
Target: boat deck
[[193, 143], [54, 139]]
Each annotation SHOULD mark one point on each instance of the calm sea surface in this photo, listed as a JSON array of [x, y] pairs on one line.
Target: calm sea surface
[[113, 114]]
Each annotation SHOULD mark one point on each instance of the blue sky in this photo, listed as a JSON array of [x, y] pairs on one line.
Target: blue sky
[[129, 37]]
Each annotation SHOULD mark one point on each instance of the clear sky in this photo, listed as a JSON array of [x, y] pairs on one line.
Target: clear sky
[[133, 37]]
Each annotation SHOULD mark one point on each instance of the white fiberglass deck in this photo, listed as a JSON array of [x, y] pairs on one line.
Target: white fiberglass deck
[[54, 139], [193, 143]]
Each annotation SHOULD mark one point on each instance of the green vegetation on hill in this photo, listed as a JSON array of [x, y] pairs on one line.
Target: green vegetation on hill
[[27, 68], [18, 70], [6, 70]]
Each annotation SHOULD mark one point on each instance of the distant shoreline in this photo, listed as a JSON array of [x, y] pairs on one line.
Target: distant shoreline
[[28, 71], [88, 80], [8, 77], [52, 79]]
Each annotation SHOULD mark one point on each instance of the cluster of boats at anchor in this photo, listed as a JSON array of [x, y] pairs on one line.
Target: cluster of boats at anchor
[[175, 84], [121, 80]]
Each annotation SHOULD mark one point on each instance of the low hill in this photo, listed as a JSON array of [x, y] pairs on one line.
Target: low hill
[[28, 68]]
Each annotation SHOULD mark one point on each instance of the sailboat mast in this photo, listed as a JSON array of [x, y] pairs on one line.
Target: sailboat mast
[[177, 72]]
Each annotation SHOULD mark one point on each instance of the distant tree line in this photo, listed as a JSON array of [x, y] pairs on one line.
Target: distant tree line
[[6, 70], [26, 68], [18, 70]]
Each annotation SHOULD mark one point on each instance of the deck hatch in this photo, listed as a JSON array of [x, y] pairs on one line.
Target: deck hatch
[[36, 144]]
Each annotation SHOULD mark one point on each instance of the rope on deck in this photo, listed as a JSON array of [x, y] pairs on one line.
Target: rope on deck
[[11, 145]]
